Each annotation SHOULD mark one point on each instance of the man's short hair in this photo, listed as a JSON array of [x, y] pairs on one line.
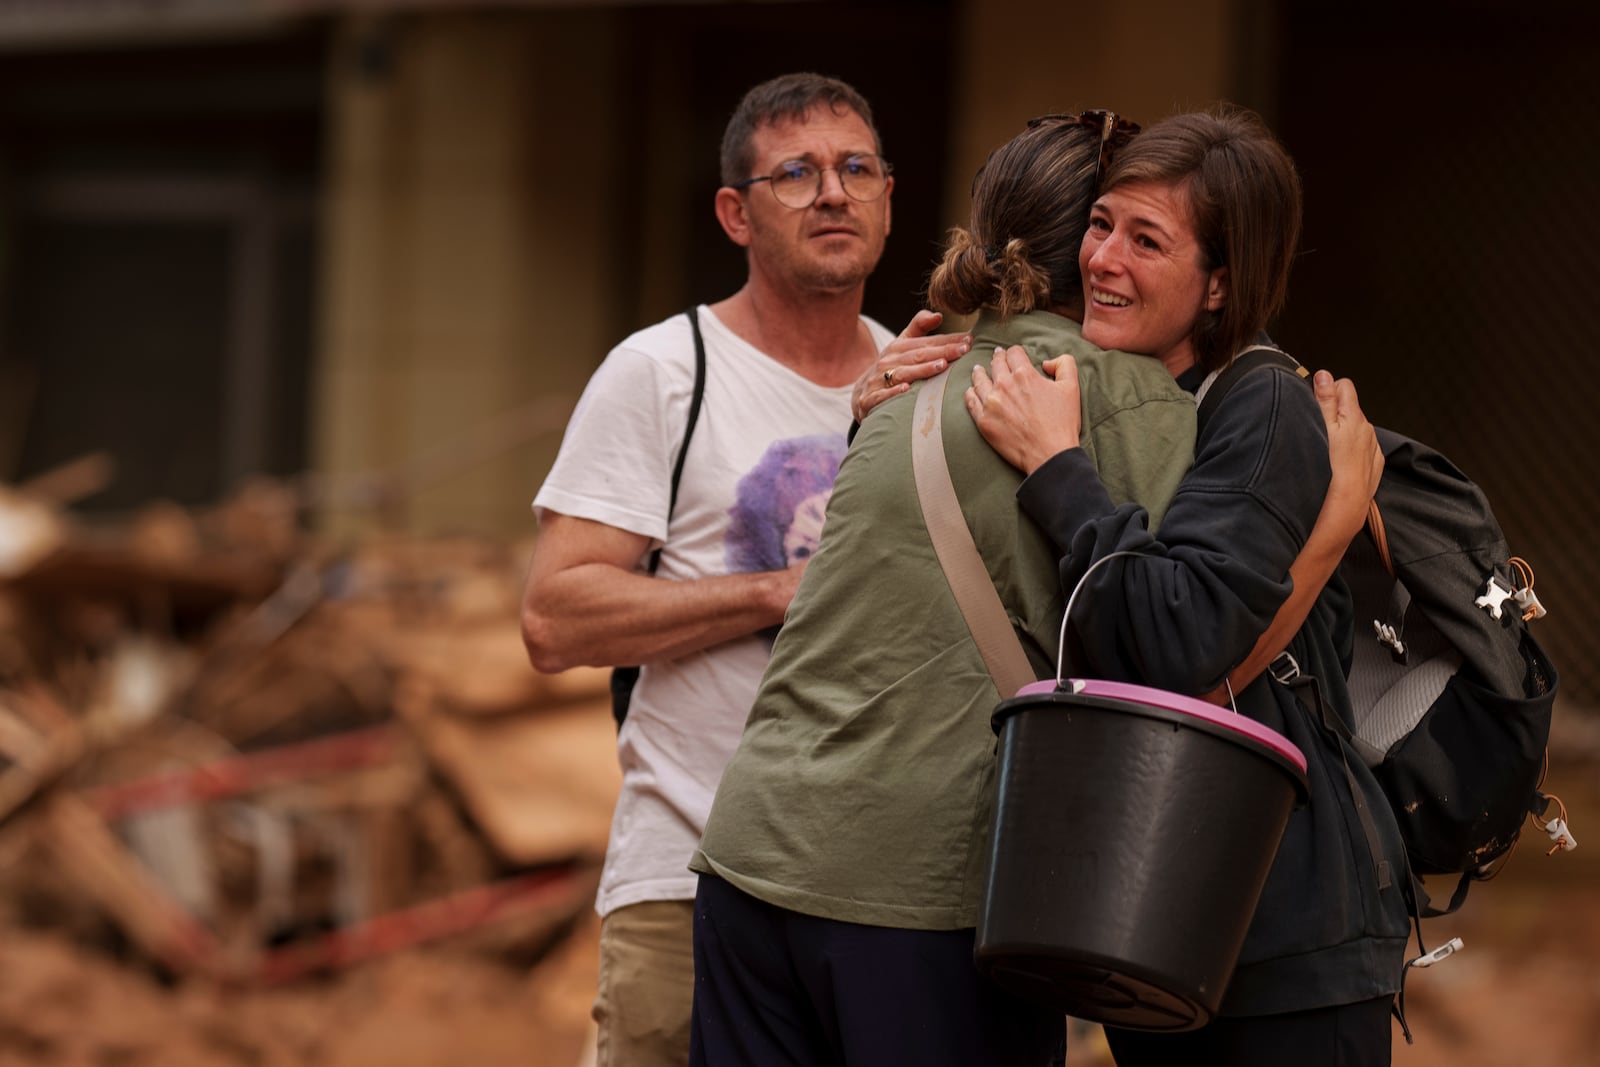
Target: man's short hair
[[786, 97]]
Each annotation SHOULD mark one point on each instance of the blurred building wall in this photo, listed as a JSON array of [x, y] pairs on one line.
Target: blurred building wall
[[1447, 265], [157, 214], [509, 194], [468, 179], [1020, 58], [495, 194], [1432, 154]]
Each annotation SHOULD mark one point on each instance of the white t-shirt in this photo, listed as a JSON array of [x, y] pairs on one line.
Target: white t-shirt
[[755, 484]]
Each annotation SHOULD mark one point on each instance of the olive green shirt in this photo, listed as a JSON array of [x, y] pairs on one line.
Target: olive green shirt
[[862, 787]]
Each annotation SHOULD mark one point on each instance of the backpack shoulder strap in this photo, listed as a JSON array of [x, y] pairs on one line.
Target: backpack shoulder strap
[[1217, 386], [1306, 688], [1221, 383], [623, 678], [694, 417]]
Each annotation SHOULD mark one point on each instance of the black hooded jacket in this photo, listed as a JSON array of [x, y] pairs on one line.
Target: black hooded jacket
[[1189, 608]]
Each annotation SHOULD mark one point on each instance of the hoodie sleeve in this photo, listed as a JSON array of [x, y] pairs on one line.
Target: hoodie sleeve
[[1187, 607]]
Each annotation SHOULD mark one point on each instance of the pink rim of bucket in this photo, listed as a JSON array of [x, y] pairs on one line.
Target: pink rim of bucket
[[1226, 718]]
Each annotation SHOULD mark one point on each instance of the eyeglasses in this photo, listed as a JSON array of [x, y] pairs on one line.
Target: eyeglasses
[[797, 184], [1115, 132]]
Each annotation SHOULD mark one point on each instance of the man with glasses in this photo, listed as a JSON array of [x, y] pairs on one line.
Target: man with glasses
[[806, 193]]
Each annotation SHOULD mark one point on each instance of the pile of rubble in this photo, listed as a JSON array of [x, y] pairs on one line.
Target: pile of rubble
[[242, 757]]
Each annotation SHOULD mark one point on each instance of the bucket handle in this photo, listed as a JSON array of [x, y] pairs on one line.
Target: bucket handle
[[1066, 617]]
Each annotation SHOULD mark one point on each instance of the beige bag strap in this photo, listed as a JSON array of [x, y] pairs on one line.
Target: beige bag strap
[[958, 555]]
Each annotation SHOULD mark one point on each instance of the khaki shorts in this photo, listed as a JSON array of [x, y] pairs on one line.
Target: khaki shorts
[[646, 993]]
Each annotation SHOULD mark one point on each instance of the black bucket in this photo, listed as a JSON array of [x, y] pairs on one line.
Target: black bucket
[[1133, 831]]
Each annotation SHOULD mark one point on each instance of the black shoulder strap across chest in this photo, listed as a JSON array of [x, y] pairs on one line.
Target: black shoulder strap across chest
[[623, 678], [694, 417]]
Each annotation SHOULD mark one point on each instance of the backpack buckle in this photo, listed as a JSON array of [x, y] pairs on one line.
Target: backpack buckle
[[1444, 951], [1284, 667], [1494, 595], [1390, 638]]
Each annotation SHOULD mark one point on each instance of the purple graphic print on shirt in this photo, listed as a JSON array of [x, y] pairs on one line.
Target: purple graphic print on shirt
[[777, 518]]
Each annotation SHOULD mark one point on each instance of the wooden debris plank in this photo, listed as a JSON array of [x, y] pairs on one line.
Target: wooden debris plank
[[540, 783], [109, 874], [562, 889], [39, 742], [240, 774], [116, 571]]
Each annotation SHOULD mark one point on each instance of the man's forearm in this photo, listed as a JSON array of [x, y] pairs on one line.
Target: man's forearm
[[597, 614]]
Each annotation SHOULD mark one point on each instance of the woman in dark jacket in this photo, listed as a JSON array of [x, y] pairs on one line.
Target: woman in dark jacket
[[1187, 256]]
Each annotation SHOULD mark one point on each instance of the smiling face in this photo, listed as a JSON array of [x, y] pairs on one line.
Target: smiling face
[[1144, 277], [831, 246]]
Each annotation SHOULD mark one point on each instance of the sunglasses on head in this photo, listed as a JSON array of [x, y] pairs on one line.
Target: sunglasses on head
[[1115, 131]]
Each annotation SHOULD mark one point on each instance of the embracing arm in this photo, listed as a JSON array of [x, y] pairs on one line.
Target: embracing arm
[[1182, 611], [584, 604], [1357, 465], [1194, 608], [916, 354]]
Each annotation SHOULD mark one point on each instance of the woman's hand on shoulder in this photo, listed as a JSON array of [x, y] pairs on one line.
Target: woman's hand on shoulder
[[1353, 454], [916, 354], [1024, 415]]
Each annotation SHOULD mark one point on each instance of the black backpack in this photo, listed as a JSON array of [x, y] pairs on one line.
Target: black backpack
[[624, 678], [1452, 696]]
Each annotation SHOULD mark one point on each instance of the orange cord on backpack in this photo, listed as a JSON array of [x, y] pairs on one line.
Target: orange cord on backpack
[[1531, 608], [1556, 829]]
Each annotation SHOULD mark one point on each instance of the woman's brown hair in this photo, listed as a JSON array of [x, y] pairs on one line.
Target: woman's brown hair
[[1030, 207]]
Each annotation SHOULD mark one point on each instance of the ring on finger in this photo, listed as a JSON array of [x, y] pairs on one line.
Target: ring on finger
[[888, 377]]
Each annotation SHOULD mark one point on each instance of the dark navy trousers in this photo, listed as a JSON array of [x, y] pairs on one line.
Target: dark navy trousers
[[776, 988], [1349, 1035]]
